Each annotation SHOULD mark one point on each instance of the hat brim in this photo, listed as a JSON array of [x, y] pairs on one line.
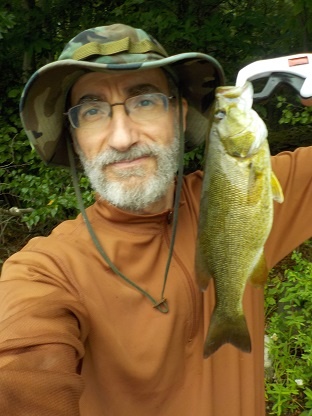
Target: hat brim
[[43, 100]]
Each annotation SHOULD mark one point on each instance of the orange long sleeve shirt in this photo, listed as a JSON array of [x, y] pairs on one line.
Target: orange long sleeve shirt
[[75, 339]]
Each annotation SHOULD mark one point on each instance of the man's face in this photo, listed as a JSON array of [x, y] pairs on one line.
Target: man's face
[[131, 163]]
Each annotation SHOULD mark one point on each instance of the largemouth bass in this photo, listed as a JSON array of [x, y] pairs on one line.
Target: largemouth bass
[[236, 213]]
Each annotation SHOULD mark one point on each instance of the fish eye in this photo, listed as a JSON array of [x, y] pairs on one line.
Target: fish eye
[[220, 114]]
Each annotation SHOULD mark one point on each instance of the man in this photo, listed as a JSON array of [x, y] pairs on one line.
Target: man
[[104, 317]]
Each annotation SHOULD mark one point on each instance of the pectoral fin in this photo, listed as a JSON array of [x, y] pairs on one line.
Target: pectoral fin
[[277, 191]]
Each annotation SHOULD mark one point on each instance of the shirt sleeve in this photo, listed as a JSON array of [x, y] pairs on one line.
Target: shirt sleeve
[[293, 218], [43, 327]]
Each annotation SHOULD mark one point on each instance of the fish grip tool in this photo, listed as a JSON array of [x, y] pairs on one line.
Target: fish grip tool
[[292, 70]]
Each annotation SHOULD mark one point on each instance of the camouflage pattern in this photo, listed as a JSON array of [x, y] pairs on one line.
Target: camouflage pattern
[[111, 49], [120, 38]]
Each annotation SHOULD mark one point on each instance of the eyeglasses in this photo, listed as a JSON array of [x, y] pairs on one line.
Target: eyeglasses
[[140, 108]]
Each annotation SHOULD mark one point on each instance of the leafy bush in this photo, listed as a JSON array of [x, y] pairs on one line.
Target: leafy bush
[[288, 298], [27, 182], [294, 112], [49, 193]]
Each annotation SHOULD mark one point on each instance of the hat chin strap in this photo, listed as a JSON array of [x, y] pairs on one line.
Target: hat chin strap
[[162, 304]]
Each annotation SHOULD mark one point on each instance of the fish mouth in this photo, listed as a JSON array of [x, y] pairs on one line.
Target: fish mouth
[[233, 92]]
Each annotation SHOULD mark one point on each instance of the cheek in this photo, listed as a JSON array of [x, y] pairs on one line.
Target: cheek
[[88, 143], [162, 131]]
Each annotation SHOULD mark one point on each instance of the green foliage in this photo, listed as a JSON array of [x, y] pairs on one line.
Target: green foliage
[[288, 298], [49, 193], [26, 182], [194, 159], [294, 113], [7, 21]]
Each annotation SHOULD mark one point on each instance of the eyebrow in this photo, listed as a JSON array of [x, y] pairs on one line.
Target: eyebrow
[[131, 92], [142, 89], [89, 97]]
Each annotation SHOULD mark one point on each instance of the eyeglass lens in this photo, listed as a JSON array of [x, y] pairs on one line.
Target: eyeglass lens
[[139, 108]]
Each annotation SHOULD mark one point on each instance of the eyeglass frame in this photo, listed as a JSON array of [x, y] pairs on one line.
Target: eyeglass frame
[[166, 99]]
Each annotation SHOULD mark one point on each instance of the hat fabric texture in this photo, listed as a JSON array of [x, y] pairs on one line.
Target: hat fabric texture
[[112, 49]]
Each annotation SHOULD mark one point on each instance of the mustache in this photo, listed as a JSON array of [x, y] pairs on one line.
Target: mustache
[[111, 156]]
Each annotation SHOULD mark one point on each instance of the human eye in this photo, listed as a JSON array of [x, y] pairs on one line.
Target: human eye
[[145, 101], [93, 111]]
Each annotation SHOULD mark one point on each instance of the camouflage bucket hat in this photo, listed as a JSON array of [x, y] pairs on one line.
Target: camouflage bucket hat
[[111, 49]]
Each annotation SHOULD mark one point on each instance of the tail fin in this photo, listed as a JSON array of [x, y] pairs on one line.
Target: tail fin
[[224, 330]]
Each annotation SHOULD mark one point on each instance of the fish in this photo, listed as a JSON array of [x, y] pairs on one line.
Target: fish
[[235, 214]]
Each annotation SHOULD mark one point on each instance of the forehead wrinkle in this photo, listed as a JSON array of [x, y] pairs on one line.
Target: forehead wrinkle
[[142, 89], [100, 84], [130, 91]]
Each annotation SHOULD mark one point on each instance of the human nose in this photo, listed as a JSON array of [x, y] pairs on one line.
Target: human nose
[[121, 133]]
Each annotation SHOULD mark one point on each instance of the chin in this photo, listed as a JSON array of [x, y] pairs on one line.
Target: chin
[[134, 193]]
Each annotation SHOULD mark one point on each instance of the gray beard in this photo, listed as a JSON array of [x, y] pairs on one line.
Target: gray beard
[[139, 195]]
